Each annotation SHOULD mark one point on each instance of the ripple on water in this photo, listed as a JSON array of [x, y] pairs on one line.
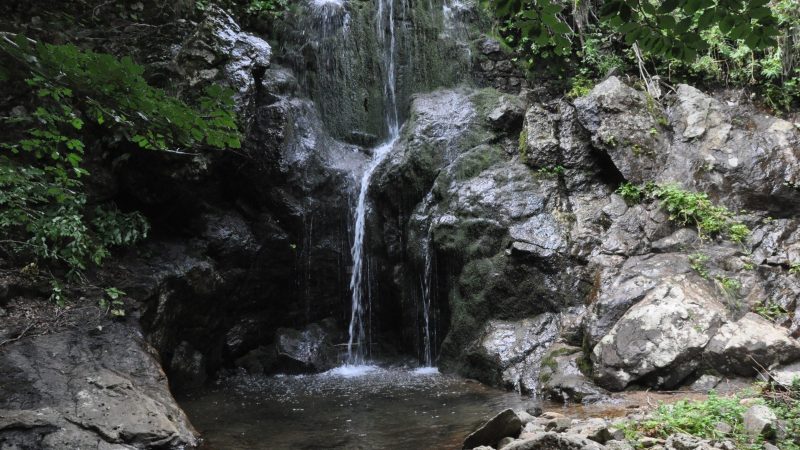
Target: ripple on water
[[346, 407]]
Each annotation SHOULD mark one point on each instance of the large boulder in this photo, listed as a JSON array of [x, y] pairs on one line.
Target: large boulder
[[88, 389], [740, 347], [618, 288], [659, 341], [733, 152], [628, 126], [510, 353]]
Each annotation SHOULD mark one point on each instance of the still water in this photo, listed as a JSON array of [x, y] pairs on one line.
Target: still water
[[365, 407]]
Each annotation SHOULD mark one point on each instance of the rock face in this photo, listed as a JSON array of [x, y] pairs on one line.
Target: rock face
[[510, 353], [88, 389], [512, 220], [660, 338]]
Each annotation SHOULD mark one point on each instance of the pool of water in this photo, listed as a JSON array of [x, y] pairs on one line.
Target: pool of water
[[371, 407], [351, 408]]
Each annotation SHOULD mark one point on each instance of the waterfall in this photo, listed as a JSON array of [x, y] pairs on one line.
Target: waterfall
[[427, 282], [360, 300]]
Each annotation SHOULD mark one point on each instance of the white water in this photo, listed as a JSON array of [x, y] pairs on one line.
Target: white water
[[427, 281], [358, 317]]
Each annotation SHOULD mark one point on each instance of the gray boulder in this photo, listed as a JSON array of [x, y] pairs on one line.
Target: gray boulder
[[752, 336], [76, 389], [219, 51], [760, 421], [511, 352], [505, 424], [552, 440], [659, 340], [627, 125]]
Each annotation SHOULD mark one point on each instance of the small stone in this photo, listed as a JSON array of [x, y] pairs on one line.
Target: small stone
[[706, 383], [559, 424], [617, 434], [769, 446], [723, 428], [524, 417], [759, 420], [618, 444], [535, 411], [505, 442], [649, 442]]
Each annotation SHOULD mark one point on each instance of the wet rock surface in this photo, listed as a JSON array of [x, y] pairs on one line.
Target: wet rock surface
[[88, 388]]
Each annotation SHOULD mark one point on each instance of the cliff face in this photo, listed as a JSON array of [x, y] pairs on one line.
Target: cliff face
[[495, 234]]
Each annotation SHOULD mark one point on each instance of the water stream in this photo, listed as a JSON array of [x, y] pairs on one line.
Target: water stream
[[358, 342]]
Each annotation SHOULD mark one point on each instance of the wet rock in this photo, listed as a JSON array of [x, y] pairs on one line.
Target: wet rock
[[759, 420], [619, 288], [73, 389], [307, 350], [511, 352], [620, 120], [261, 360], [752, 336], [659, 340], [562, 379], [230, 238], [187, 368], [595, 429], [508, 114], [504, 442], [505, 424], [218, 51], [618, 445], [733, 152]]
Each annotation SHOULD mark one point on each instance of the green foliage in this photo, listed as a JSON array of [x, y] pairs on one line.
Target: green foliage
[[631, 193], [689, 208], [698, 418], [699, 263], [753, 44], [695, 208], [75, 102], [581, 85], [730, 286], [794, 268], [551, 171], [112, 302], [769, 310]]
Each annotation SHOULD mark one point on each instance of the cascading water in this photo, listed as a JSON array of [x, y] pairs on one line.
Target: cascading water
[[357, 343]]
